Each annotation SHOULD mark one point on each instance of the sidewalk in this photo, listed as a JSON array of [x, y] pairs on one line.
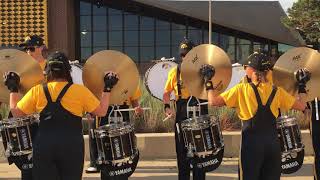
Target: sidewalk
[[166, 169]]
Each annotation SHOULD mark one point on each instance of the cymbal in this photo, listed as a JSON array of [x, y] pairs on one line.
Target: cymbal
[[293, 60], [110, 60], [20, 62], [205, 54]]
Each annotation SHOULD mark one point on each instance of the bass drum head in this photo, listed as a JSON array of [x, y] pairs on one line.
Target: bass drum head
[[156, 78], [291, 163], [76, 73], [237, 74]]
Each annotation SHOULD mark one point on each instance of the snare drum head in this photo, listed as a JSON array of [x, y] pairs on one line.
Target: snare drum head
[[156, 78], [76, 73], [237, 74]]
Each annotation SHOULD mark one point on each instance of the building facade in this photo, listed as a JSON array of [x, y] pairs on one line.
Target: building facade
[[147, 30]]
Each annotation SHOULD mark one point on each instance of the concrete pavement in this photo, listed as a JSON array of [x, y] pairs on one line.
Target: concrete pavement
[[166, 169]]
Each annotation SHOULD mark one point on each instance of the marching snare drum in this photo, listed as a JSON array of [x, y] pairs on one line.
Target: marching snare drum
[[17, 134], [116, 143], [156, 77], [202, 135], [237, 74], [289, 134], [76, 72]]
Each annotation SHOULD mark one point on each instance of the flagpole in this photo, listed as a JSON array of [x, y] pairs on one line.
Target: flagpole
[[210, 22]]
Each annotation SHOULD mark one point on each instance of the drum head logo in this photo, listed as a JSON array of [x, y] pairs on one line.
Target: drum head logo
[[166, 66]]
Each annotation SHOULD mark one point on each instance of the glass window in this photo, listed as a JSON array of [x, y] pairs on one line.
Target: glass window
[[132, 52], [243, 41], [162, 51], [100, 39], [85, 54], [99, 10], [175, 52], [99, 23], [146, 54], [146, 23], [131, 22], [115, 38], [116, 48], [178, 36], [195, 35], [131, 38], [85, 8], [85, 39], [214, 37], [175, 26], [114, 11], [226, 42], [97, 49], [243, 51], [115, 22], [163, 37], [85, 23], [165, 25], [146, 38]]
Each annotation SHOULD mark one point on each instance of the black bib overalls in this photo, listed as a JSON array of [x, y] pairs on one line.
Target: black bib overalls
[[315, 134], [58, 151], [260, 156]]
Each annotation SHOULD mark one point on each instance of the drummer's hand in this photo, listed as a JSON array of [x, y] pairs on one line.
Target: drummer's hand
[[207, 72], [110, 79], [168, 112], [302, 76], [138, 111], [12, 81]]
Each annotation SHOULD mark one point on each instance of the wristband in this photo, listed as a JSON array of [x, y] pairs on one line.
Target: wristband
[[107, 89], [209, 85]]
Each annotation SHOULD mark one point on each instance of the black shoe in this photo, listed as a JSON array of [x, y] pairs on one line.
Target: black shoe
[[92, 169]]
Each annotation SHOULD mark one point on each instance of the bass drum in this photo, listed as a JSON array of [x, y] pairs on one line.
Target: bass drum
[[237, 74], [156, 77], [76, 72]]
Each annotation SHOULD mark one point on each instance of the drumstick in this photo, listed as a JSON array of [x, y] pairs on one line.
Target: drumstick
[[131, 109], [168, 117], [204, 103]]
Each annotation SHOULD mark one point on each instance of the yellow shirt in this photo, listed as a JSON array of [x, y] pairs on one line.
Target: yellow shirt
[[77, 100], [242, 98], [171, 84]]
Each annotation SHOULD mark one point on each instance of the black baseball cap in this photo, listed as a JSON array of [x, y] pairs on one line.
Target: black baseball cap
[[31, 41], [185, 46]]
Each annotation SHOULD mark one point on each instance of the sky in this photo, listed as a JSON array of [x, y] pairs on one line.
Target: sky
[[285, 3]]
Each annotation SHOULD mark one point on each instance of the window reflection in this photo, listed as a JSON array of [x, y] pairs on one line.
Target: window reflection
[[115, 38], [146, 38], [99, 23], [85, 8], [146, 53], [115, 22], [131, 22], [162, 51], [163, 37], [85, 39], [132, 52], [146, 23], [131, 38], [85, 23], [100, 39]]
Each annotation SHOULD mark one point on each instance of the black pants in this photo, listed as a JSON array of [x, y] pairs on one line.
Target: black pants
[[62, 160], [315, 134], [260, 158]]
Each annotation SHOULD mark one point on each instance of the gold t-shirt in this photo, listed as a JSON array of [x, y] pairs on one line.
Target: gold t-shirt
[[242, 97], [171, 84], [77, 100]]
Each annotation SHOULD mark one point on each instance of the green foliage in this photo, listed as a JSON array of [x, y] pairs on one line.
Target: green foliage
[[4, 111], [305, 17]]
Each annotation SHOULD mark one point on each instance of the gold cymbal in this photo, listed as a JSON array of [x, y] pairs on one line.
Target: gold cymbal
[[28, 69], [109, 60], [293, 60], [205, 54]]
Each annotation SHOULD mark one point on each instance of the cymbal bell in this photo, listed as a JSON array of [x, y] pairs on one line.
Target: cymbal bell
[[109, 60], [198, 56], [293, 60], [27, 68]]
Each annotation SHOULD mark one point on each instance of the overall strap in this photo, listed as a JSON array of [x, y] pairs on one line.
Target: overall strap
[[46, 92], [271, 97], [63, 91], [178, 80], [257, 94]]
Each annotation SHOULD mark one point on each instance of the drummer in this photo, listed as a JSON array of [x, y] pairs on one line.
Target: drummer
[[175, 83], [35, 47], [58, 149], [257, 105], [132, 101]]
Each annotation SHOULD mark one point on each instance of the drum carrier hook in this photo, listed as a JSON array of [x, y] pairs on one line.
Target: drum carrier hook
[[193, 111], [113, 119]]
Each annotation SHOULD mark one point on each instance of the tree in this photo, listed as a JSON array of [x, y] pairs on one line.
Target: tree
[[304, 16]]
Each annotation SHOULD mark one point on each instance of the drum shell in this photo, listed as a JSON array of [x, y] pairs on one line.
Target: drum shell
[[289, 135], [115, 143], [76, 73], [203, 134]]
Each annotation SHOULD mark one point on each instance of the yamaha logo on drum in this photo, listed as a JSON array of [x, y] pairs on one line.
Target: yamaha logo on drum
[[120, 172], [290, 165], [208, 163]]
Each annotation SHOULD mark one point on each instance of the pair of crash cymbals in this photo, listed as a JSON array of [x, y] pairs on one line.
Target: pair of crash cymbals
[[290, 62], [24, 65], [104, 61]]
